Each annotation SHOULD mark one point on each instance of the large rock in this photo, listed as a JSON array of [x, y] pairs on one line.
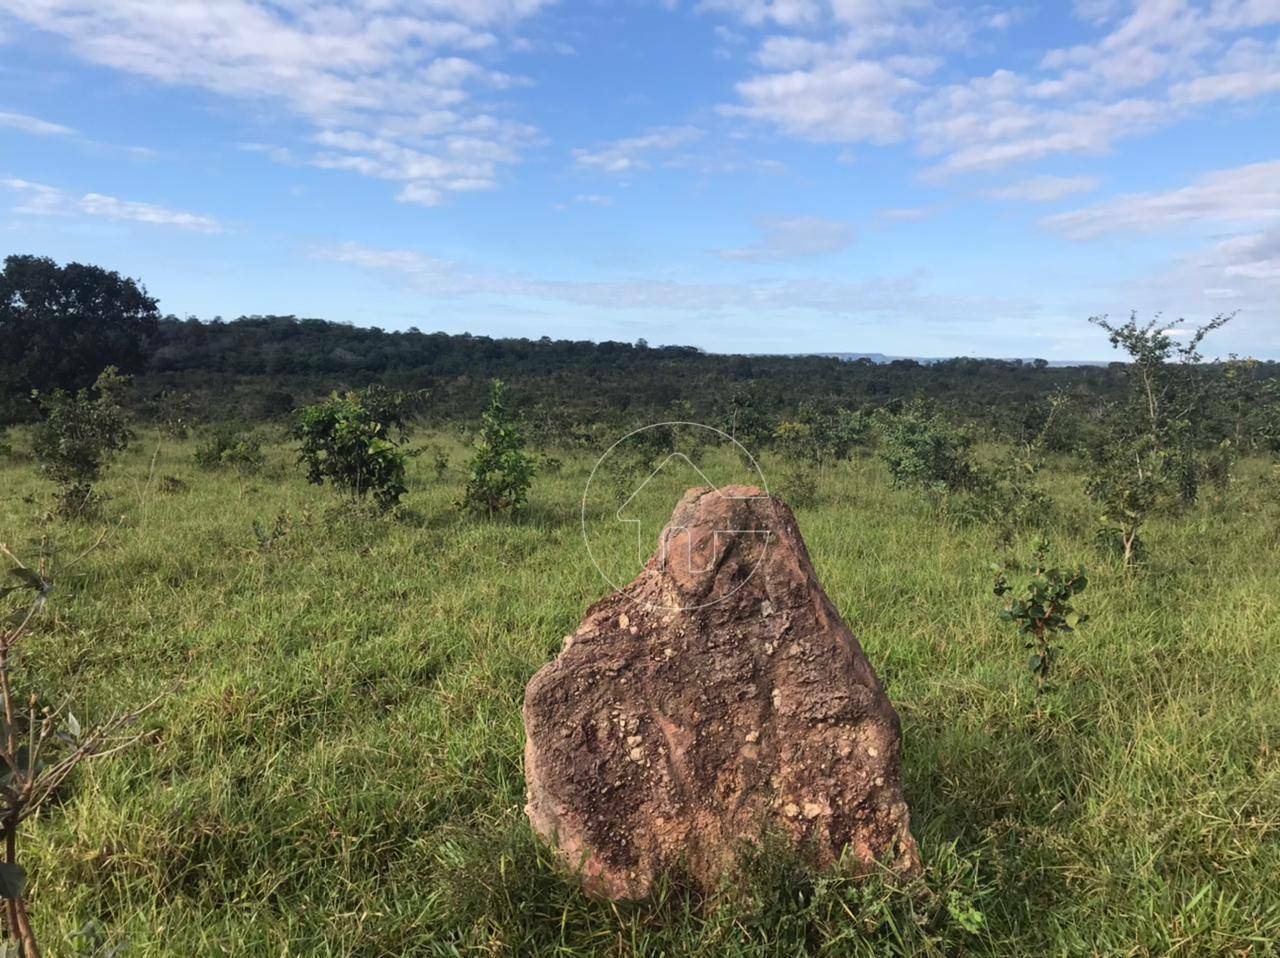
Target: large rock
[[716, 698]]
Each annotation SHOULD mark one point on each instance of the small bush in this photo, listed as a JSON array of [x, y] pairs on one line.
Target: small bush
[[228, 447], [79, 435], [1040, 606], [355, 442], [799, 486], [501, 471], [925, 451], [439, 460], [1125, 480]]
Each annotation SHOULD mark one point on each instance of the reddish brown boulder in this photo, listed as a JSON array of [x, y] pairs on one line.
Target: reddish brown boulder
[[716, 698]]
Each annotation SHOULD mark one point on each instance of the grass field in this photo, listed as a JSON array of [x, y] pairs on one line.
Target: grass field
[[340, 771]]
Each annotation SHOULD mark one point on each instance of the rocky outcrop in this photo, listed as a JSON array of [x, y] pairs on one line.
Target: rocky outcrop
[[717, 698]]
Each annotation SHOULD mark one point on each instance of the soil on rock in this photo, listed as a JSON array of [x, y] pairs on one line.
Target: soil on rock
[[716, 699]]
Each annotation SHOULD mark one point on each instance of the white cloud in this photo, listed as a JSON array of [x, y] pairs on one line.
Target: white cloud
[[785, 13], [1246, 194], [834, 102], [1255, 256], [1249, 70], [39, 199], [31, 124], [898, 297], [793, 238], [635, 152], [396, 72], [907, 214], [1045, 189], [593, 199], [852, 71]]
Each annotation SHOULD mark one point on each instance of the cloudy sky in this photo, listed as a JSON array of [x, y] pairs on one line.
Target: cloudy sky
[[905, 176]]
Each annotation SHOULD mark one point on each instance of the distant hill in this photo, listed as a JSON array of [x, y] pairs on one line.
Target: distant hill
[[882, 358]]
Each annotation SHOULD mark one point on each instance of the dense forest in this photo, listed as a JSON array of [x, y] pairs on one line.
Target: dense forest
[[60, 325]]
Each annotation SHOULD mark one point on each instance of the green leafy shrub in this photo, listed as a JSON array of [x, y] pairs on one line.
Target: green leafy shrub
[[924, 451], [229, 447], [1126, 482], [355, 442], [501, 471], [834, 431], [1219, 465], [743, 418], [799, 486], [439, 460], [795, 442], [80, 434], [1040, 607]]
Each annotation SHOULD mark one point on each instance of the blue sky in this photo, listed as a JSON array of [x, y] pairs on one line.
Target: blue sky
[[914, 177]]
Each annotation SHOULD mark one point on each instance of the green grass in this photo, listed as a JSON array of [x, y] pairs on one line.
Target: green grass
[[340, 771]]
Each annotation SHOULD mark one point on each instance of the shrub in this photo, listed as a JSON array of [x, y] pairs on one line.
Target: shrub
[[79, 435], [799, 486], [925, 451], [228, 447], [1126, 481], [355, 441], [1040, 607], [439, 460], [795, 441], [501, 471], [834, 432]]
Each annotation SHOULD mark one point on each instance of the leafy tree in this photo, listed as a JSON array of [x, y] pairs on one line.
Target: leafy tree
[[500, 471], [60, 325], [744, 419], [1040, 606], [355, 441], [1148, 446], [1126, 482], [924, 450], [79, 435], [1165, 383]]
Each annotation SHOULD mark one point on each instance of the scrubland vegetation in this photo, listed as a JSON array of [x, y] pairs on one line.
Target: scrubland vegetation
[[339, 771], [335, 611]]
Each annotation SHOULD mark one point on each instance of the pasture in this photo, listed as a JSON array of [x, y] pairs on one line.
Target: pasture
[[338, 771]]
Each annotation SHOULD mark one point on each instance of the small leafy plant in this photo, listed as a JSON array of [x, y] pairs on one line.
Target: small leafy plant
[[1040, 606], [501, 471], [1126, 482], [80, 434], [355, 442], [795, 441], [229, 447]]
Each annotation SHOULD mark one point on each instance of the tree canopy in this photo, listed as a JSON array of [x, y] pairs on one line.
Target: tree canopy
[[60, 326]]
